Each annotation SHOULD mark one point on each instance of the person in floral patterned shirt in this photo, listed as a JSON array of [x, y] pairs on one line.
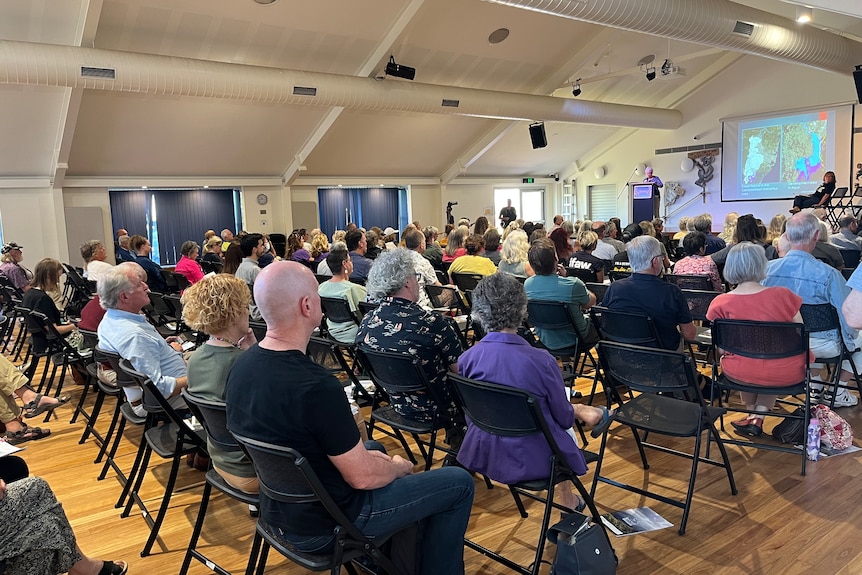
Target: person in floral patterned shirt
[[695, 262]]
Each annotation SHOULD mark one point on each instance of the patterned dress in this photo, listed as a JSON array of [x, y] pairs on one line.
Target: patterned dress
[[35, 536]]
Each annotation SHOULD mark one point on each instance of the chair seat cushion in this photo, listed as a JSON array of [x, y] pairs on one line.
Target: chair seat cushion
[[218, 482], [392, 418], [666, 415]]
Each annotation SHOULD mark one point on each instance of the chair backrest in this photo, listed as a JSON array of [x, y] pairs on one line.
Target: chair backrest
[[212, 415], [170, 281], [258, 328], [599, 290], [337, 310], [690, 281], [446, 297], [552, 316], [397, 372], [57, 341], [466, 282], [850, 257], [123, 378], [649, 370], [181, 280], [365, 307], [625, 327], [619, 274], [498, 409], [761, 340], [847, 272], [586, 276], [698, 302], [322, 278], [208, 266], [441, 277], [819, 317], [838, 194]]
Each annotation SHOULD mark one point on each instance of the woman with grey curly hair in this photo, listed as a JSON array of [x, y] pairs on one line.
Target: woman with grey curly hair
[[389, 274], [505, 358]]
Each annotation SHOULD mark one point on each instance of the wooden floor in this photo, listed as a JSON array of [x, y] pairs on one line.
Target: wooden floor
[[779, 523]]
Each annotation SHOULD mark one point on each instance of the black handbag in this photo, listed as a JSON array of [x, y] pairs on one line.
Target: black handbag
[[791, 430], [583, 547]]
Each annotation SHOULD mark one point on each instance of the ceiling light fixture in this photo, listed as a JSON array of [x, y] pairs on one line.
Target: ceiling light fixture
[[804, 14], [265, 2], [576, 88], [645, 64], [399, 71], [498, 35]]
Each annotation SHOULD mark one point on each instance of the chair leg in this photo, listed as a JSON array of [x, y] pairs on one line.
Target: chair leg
[[518, 502], [115, 433], [135, 478], [546, 522], [254, 556], [723, 451], [79, 409], [430, 458], [196, 532], [166, 500], [261, 564], [94, 415]]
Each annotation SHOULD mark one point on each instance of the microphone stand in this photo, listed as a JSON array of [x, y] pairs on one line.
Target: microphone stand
[[626, 185]]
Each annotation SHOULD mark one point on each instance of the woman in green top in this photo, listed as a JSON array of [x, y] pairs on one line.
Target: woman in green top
[[341, 287]]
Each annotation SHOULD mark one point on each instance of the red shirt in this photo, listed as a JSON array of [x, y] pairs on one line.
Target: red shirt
[[189, 268]]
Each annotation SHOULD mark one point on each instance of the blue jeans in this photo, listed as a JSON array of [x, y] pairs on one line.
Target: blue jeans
[[439, 501]]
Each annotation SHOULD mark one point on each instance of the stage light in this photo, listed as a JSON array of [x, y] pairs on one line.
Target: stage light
[[804, 14], [650, 73], [667, 67], [399, 71], [576, 88]]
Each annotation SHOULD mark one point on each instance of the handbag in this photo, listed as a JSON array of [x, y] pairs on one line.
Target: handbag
[[835, 432], [791, 430], [583, 547]]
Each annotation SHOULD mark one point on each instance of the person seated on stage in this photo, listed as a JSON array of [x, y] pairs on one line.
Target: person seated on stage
[[505, 358], [513, 256], [550, 284], [585, 259], [37, 536], [472, 262], [218, 306], [645, 292], [695, 261], [275, 393], [820, 197], [340, 286], [746, 266]]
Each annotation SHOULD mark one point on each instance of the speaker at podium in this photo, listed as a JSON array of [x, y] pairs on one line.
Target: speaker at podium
[[645, 201]]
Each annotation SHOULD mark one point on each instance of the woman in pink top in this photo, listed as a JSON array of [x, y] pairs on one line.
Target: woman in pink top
[[695, 262], [188, 265], [746, 266]]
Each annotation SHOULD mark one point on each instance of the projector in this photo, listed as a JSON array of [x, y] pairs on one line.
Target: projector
[[399, 71], [670, 72]]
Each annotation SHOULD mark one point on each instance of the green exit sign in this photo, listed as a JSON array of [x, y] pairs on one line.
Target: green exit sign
[[527, 181]]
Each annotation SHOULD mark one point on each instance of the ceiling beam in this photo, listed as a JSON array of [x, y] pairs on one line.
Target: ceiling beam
[[368, 67], [85, 35]]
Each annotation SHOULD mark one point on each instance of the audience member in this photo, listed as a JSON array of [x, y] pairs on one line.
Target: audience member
[[14, 384], [846, 238], [125, 331], [319, 247], [218, 307], [356, 245], [703, 223], [776, 227], [605, 249], [455, 244], [472, 262], [648, 230], [562, 243], [37, 536], [645, 292], [252, 248], [695, 261], [505, 358], [226, 237], [480, 226], [726, 234], [746, 267], [585, 258], [621, 260], [852, 307], [513, 256], [547, 285], [142, 248], [433, 253], [124, 250], [94, 255], [414, 240], [37, 298], [825, 251], [268, 256], [11, 267], [816, 283], [683, 229], [746, 231], [376, 492], [214, 253], [232, 259], [339, 263], [492, 245], [188, 265]]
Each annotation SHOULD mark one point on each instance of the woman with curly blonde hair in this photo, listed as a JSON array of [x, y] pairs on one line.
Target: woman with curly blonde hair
[[776, 228], [218, 306], [513, 257], [319, 247]]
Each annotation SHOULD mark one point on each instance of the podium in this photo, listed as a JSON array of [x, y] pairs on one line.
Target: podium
[[645, 202]]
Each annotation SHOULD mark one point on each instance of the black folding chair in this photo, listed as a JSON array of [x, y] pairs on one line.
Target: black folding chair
[[212, 416], [287, 477], [838, 202], [850, 257], [599, 290], [762, 340], [690, 281], [698, 304], [511, 412], [823, 319], [586, 276], [625, 327], [669, 403]]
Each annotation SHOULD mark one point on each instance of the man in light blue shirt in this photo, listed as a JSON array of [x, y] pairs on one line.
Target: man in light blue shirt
[[123, 330], [816, 283], [846, 238]]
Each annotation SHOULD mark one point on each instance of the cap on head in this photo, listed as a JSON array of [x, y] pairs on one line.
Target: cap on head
[[9, 246]]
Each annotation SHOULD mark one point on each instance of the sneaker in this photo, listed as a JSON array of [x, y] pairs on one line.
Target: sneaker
[[139, 410], [843, 399]]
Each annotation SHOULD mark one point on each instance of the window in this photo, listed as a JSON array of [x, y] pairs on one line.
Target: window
[[170, 217], [528, 203], [602, 203]]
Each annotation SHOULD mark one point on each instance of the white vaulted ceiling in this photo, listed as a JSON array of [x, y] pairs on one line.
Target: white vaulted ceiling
[[147, 132]]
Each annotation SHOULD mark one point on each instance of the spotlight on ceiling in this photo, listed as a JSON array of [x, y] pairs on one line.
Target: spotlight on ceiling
[[265, 2], [576, 88], [650, 73], [399, 71], [804, 14]]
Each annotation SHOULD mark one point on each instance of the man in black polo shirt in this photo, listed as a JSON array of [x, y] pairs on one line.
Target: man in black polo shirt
[[647, 293], [277, 394]]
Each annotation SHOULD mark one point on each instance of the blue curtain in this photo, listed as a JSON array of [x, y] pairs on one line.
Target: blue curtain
[[184, 215], [130, 210], [366, 207]]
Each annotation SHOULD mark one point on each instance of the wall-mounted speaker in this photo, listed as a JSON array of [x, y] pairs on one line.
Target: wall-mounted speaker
[[537, 135], [857, 77]]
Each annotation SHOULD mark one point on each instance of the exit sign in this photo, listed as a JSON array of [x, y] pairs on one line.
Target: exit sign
[[527, 181]]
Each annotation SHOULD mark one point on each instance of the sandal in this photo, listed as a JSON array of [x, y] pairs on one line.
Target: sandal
[[26, 434], [35, 409], [114, 568], [604, 422]]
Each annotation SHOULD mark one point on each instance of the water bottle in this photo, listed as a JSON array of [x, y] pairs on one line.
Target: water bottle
[[813, 442]]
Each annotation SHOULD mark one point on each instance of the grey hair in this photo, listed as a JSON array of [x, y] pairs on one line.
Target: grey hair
[[746, 262], [641, 251], [117, 280], [824, 232], [800, 228], [703, 223], [568, 226], [125, 241], [88, 249], [188, 247], [499, 302], [389, 273]]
